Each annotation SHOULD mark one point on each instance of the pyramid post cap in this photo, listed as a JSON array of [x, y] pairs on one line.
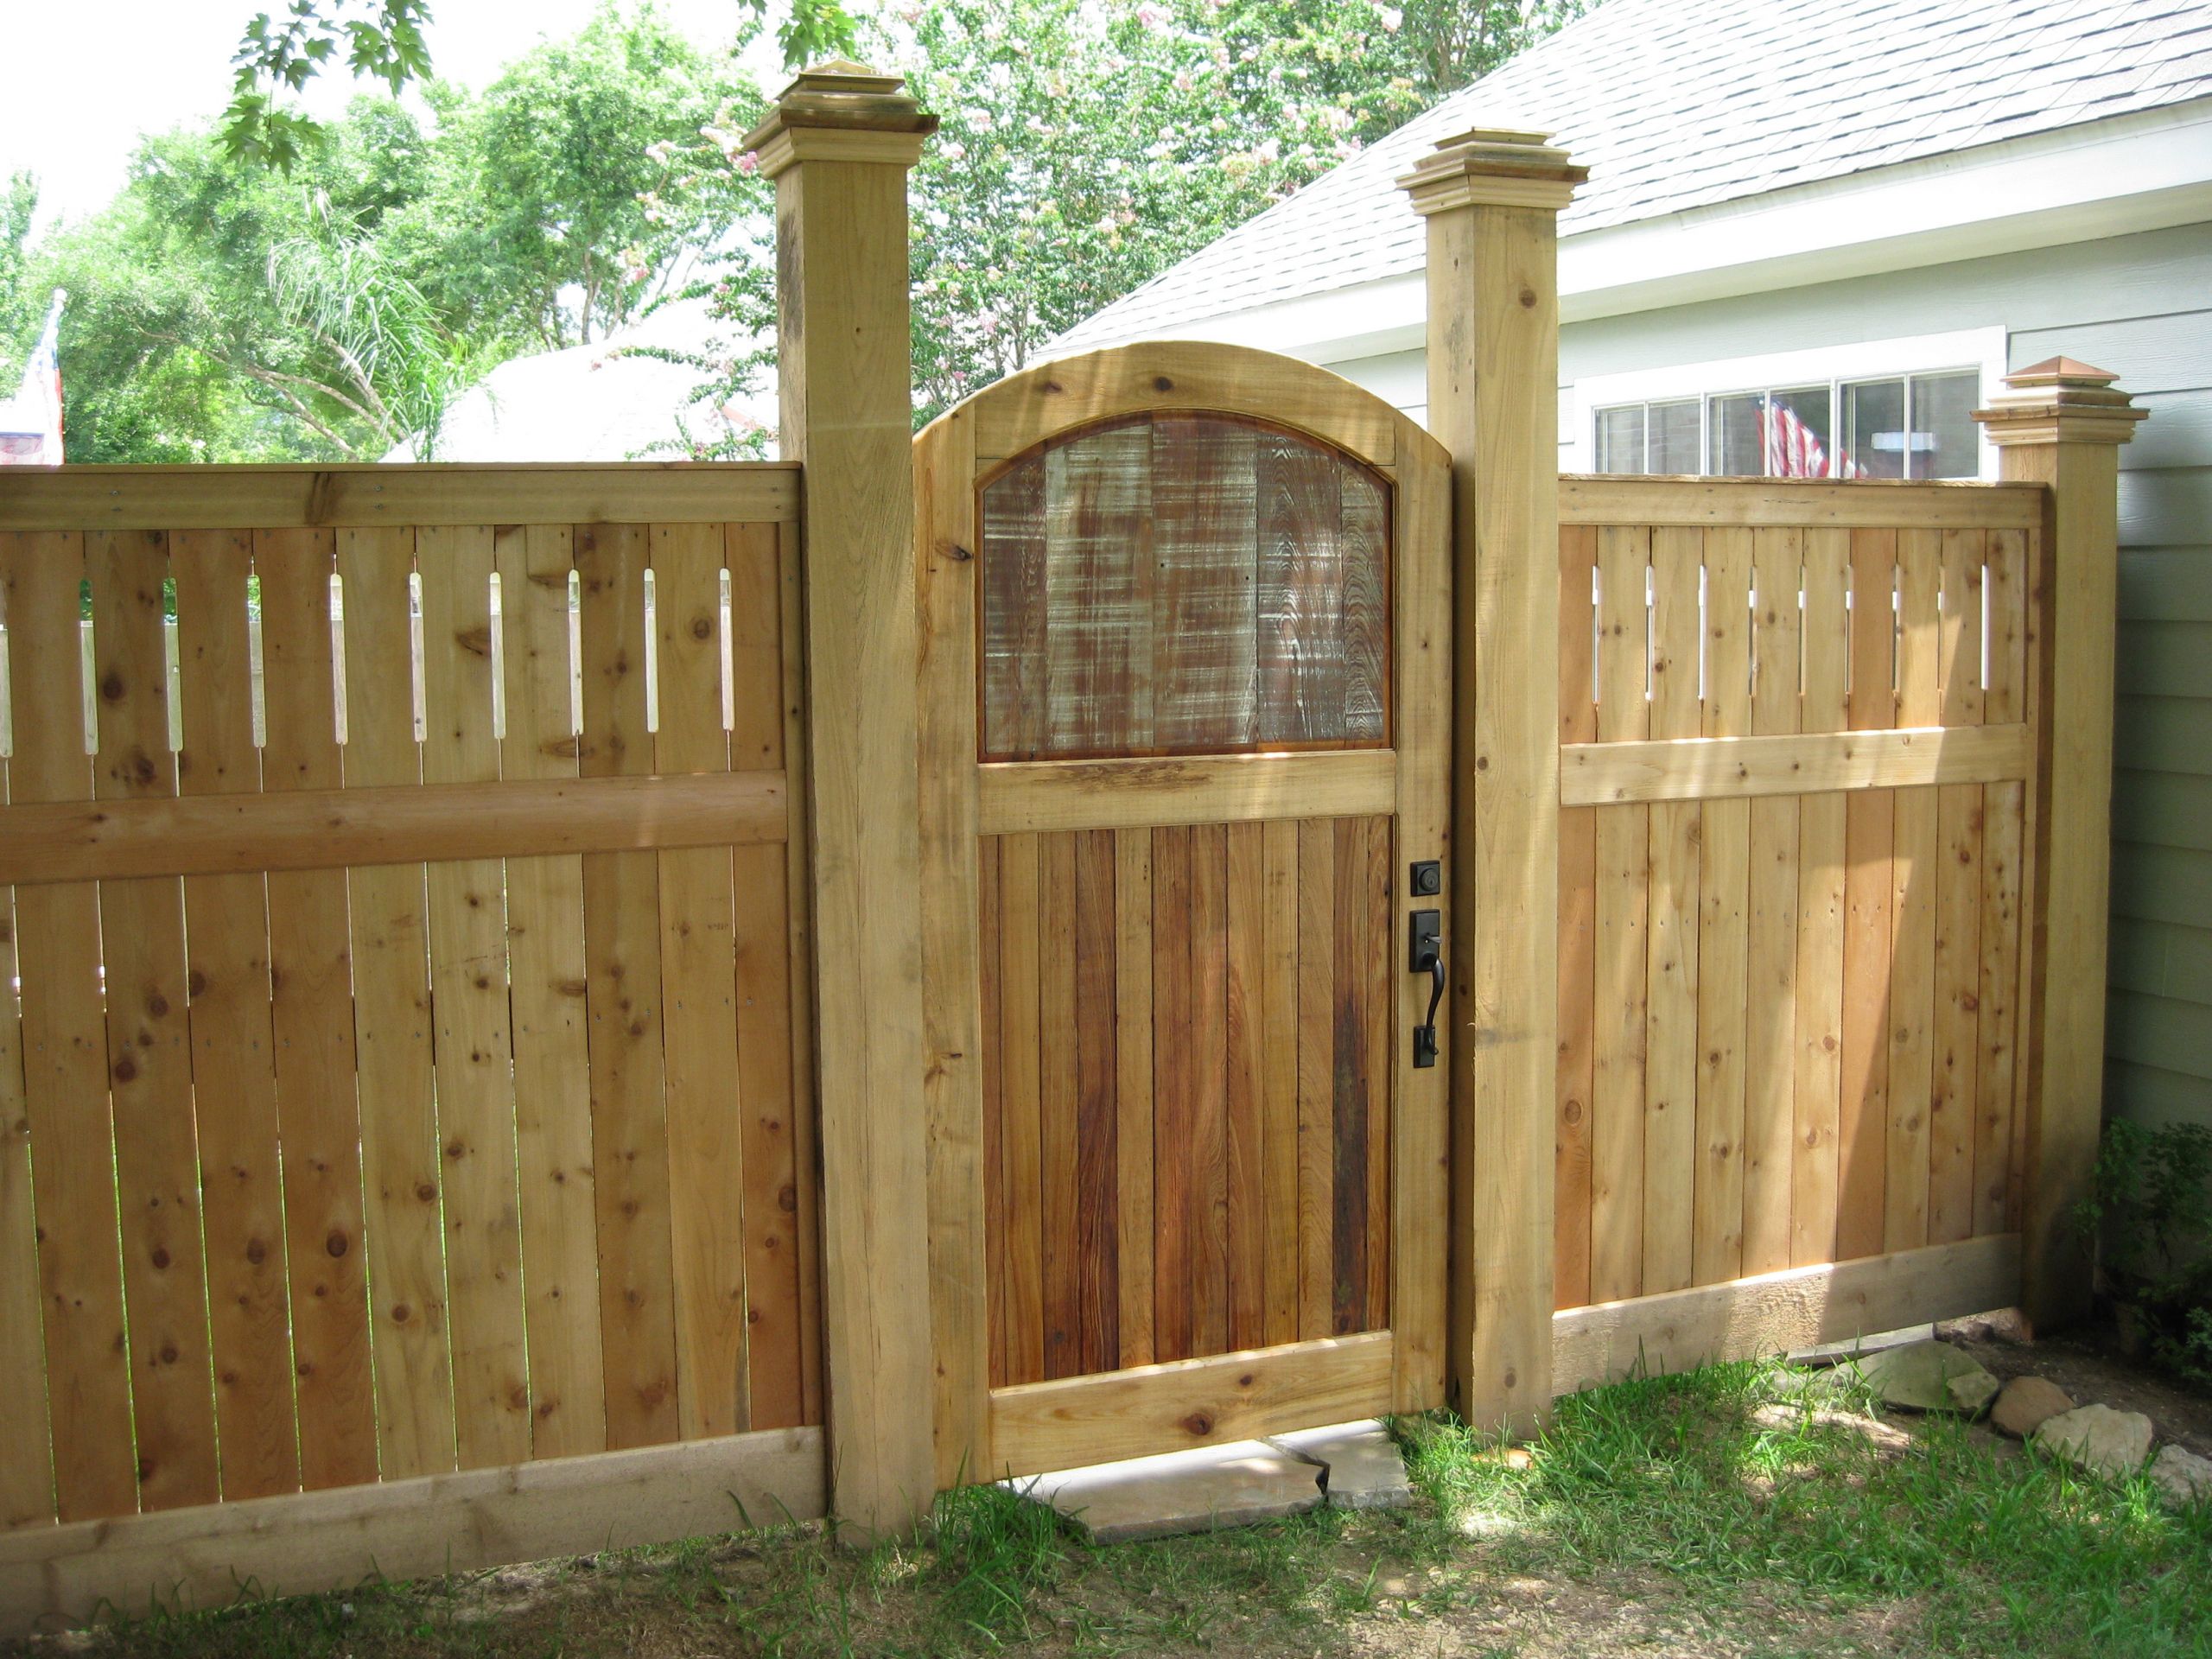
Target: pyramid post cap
[[841, 111], [2058, 371], [1494, 165], [2060, 400]]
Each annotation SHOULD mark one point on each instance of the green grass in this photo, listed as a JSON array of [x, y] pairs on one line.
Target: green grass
[[1675, 1502]]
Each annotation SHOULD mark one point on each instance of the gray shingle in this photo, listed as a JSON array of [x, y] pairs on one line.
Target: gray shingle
[[1678, 104]]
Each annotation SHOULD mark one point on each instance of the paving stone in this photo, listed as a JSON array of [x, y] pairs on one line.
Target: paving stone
[[1363, 1469], [2182, 1475], [2027, 1403], [1207, 1487], [2098, 1439], [1929, 1377], [1834, 1353]]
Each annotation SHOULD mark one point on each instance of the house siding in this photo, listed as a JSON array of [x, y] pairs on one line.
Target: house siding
[[2140, 306]]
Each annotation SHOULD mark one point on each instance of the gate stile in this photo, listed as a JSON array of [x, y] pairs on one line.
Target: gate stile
[[1185, 701]]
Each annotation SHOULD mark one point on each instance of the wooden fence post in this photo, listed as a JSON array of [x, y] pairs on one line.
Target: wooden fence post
[[2061, 425], [1492, 198], [839, 144]]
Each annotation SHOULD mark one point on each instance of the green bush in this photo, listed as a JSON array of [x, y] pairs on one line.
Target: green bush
[[2150, 1223]]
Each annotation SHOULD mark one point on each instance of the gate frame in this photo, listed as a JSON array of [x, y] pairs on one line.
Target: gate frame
[[1219, 1397]]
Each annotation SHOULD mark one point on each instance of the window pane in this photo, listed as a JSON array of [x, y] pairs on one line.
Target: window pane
[[1674, 435], [1620, 439], [1798, 435], [1873, 415], [1944, 443], [1738, 448]]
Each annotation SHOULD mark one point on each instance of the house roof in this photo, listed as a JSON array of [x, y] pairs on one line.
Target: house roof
[[1674, 104]]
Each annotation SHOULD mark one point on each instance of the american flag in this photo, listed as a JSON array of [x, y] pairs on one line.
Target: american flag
[[1794, 451], [30, 425]]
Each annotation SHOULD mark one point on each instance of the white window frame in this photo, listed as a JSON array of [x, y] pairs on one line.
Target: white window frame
[[1859, 360]]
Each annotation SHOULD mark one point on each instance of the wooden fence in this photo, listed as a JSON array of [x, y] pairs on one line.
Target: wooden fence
[[423, 1087], [483, 1075]]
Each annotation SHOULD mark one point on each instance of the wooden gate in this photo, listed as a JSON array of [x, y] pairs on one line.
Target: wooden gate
[[1186, 681]]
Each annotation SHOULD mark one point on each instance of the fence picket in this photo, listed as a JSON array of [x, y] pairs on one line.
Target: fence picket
[[2005, 856], [233, 1068], [1248, 1059], [1957, 908], [1348, 1133], [547, 974], [1577, 903], [1278, 1078], [1869, 825], [1174, 1081], [1021, 1080], [1097, 1292], [1823, 839], [1913, 880], [1316, 996], [27, 1474], [1057, 1120], [1723, 947], [150, 1050], [311, 1018], [1208, 1146], [1132, 1095]]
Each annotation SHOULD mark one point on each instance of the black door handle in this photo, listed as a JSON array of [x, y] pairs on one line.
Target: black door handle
[[1427, 936]]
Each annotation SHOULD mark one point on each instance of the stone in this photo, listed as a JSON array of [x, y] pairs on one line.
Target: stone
[[2183, 1477], [1835, 1353], [1929, 1377], [1360, 1463], [2098, 1439], [2027, 1403], [1198, 1491], [2002, 1325]]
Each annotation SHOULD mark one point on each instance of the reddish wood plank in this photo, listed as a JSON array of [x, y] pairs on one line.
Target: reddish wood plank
[[1022, 1081], [1132, 1079], [1316, 1057], [1248, 1057], [1279, 1080], [1207, 1196], [1349, 1083], [1057, 1153], [1174, 1085], [1378, 1027], [1097, 1151]]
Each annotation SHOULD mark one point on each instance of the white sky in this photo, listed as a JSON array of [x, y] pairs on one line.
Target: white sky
[[81, 79]]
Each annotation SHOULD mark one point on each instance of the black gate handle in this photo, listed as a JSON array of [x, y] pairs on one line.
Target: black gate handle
[[1427, 957]]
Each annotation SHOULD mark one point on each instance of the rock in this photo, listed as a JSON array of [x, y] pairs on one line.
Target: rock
[[1835, 1353], [1197, 1490], [2027, 1403], [2098, 1439], [1929, 1377], [2005, 1325], [2182, 1475], [1361, 1466]]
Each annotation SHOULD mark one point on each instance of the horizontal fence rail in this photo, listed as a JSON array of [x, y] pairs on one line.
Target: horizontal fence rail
[[409, 1073]]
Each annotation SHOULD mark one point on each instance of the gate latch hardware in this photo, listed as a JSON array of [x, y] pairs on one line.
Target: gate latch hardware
[[1427, 933]]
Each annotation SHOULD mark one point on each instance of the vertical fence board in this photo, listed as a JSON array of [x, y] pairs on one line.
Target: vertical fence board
[[1623, 870], [1724, 892], [233, 1065], [1823, 835], [1771, 944], [1208, 1147], [311, 1020], [1248, 1061], [1957, 953], [65, 1064], [1670, 1040], [1348, 1172], [1097, 1151], [622, 999], [1377, 1024], [2005, 855], [399, 1131], [1578, 902], [990, 983], [547, 974], [149, 1052], [1024, 1243], [472, 1046], [1912, 907], [1317, 874], [1175, 1084], [766, 1040], [706, 1101], [1056, 1029], [1133, 1098], [27, 1472], [1279, 1079], [1868, 826]]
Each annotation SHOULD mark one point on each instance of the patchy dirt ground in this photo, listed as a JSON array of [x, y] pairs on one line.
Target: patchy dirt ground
[[2088, 1366]]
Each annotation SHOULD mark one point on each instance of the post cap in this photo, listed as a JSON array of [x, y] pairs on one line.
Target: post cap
[[845, 111], [2060, 401], [1494, 166]]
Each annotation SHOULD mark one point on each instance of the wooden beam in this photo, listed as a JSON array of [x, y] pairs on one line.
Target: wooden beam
[[339, 828], [216, 1554], [838, 144], [1809, 763], [1747, 1319], [365, 497], [1186, 1402], [2058, 430], [1040, 404], [1792, 503], [1023, 795], [1492, 200]]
